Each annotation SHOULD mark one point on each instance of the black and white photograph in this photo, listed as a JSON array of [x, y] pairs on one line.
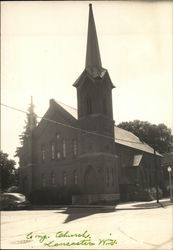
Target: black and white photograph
[[86, 125]]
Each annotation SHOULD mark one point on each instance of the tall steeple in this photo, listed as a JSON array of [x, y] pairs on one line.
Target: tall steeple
[[95, 114], [94, 88], [93, 58], [93, 63]]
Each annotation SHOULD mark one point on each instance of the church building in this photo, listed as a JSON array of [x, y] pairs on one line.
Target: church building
[[82, 149]]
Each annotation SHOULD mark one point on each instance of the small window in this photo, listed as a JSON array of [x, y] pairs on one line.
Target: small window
[[52, 179], [58, 155], [43, 181], [64, 148], [75, 178], [52, 151], [74, 147], [43, 153], [64, 179]]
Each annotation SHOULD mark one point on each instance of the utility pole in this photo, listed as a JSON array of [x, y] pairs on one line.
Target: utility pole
[[170, 183], [156, 176]]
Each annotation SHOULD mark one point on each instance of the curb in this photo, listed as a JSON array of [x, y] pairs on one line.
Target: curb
[[121, 206]]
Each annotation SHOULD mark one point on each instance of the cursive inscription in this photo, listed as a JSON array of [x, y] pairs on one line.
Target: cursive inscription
[[67, 238]]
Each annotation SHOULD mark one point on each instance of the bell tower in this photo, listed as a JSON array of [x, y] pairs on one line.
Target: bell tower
[[94, 88], [97, 158]]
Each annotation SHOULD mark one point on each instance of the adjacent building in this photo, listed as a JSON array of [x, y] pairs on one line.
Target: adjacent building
[[167, 165]]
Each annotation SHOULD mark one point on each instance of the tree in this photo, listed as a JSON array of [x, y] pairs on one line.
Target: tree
[[30, 124], [157, 136], [8, 171]]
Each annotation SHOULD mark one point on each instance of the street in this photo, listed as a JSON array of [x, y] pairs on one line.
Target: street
[[130, 226]]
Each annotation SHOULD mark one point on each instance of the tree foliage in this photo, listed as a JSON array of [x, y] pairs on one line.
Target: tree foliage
[[25, 133], [30, 124], [7, 170], [157, 136]]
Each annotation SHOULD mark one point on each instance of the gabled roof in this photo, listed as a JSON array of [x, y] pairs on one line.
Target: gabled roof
[[69, 115], [122, 136], [128, 139], [72, 111]]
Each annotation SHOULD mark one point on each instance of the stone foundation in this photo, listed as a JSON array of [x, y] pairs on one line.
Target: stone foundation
[[87, 199]]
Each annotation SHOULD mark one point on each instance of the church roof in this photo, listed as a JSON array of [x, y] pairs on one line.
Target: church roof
[[69, 109], [128, 139], [122, 136]]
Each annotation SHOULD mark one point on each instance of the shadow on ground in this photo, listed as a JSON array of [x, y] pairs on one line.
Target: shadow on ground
[[78, 213]]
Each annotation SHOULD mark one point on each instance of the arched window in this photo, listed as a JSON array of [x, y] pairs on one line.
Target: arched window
[[52, 151], [64, 148], [43, 153], [58, 145], [43, 180], [74, 147], [58, 155], [64, 179], [75, 177], [89, 105], [52, 179]]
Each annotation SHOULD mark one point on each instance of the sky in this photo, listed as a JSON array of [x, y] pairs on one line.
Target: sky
[[43, 49]]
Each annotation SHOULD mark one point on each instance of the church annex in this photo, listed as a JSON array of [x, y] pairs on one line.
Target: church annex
[[83, 150]]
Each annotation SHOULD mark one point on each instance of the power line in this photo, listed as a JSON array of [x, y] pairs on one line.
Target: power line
[[10, 107], [69, 126]]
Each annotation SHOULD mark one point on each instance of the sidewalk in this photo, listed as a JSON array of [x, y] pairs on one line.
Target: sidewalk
[[122, 206], [144, 205]]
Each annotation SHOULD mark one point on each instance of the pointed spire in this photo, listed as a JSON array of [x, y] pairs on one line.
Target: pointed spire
[[32, 118], [31, 108], [93, 65], [93, 59]]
